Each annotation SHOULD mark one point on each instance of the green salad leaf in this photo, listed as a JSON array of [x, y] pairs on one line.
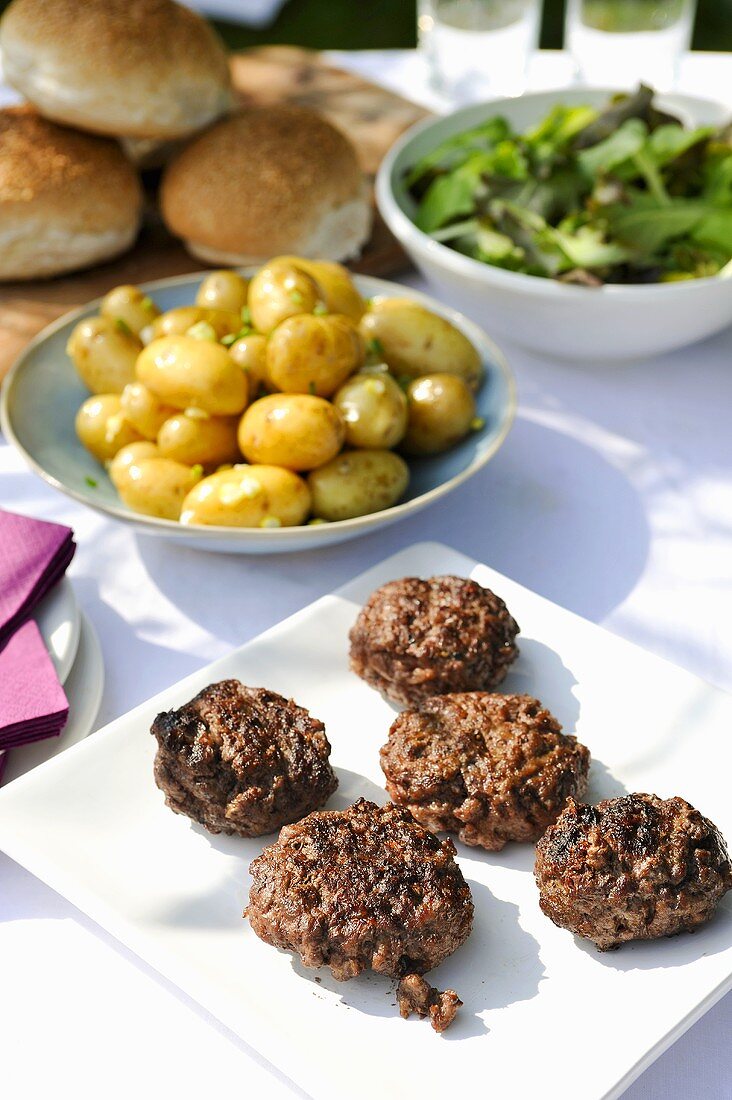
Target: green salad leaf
[[627, 194]]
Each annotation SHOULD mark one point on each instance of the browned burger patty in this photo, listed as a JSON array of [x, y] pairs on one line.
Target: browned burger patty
[[631, 868], [359, 888], [416, 638], [491, 768], [242, 760]]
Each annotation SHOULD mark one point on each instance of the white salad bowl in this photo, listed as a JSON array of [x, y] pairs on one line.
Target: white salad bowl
[[612, 322]]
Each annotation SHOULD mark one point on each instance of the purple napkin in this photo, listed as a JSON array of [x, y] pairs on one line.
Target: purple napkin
[[34, 555], [33, 704]]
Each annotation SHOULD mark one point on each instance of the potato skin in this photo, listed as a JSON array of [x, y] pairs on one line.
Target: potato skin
[[441, 411], [104, 354], [192, 439], [102, 426], [280, 290], [294, 430], [223, 290], [248, 496], [184, 372], [357, 483], [374, 409], [176, 322], [144, 410], [337, 290], [129, 305], [307, 354], [415, 341], [149, 483], [250, 353]]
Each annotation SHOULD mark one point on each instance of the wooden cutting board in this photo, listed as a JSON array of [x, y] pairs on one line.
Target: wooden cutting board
[[371, 116]]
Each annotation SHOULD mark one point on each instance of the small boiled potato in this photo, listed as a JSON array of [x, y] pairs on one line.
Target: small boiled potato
[[128, 458], [130, 307], [357, 483], [293, 430], [280, 290], [185, 372], [441, 411], [250, 353], [308, 354], [248, 496], [223, 290], [144, 410], [151, 484], [194, 437], [177, 322], [374, 409], [104, 354], [414, 341], [337, 290], [102, 426]]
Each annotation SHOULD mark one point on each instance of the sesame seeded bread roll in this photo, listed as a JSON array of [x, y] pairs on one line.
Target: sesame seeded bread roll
[[128, 68], [67, 200], [265, 181]]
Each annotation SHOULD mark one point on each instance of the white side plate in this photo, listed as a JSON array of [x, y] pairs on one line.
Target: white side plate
[[545, 1015], [59, 621], [83, 687]]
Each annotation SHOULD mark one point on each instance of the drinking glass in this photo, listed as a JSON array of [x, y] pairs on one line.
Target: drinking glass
[[478, 48], [621, 42]]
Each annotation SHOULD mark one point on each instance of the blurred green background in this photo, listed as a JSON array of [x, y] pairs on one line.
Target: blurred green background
[[380, 24]]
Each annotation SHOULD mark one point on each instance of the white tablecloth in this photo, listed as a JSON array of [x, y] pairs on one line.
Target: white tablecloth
[[612, 496]]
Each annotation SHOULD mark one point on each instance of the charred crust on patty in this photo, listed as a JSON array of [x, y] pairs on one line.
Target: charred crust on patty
[[632, 868], [489, 768], [416, 638], [242, 760], [366, 887]]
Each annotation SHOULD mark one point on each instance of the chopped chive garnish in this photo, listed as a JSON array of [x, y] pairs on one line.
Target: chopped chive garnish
[[148, 305], [246, 315], [375, 346], [202, 330], [312, 389], [296, 297], [319, 309], [91, 482], [197, 470], [477, 423], [229, 339], [121, 325]]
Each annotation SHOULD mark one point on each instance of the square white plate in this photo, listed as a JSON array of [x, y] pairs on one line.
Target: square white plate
[[545, 1015]]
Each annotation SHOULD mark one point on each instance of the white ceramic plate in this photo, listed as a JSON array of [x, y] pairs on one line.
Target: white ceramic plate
[[83, 688], [59, 621], [545, 1015]]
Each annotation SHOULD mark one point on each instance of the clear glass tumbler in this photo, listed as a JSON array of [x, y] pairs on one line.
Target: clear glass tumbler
[[478, 48], [620, 42]]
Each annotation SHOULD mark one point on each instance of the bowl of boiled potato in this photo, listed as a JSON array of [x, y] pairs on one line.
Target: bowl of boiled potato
[[277, 408]]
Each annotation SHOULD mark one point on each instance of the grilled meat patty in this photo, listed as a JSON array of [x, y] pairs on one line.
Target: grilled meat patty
[[242, 760], [417, 638], [361, 888], [631, 868], [490, 768]]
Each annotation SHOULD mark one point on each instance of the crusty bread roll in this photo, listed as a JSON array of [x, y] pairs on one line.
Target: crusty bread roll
[[67, 200], [266, 181], [128, 68]]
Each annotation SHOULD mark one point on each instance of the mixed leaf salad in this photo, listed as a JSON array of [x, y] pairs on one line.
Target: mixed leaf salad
[[623, 195]]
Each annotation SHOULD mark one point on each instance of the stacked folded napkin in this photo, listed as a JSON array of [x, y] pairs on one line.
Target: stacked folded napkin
[[34, 555]]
